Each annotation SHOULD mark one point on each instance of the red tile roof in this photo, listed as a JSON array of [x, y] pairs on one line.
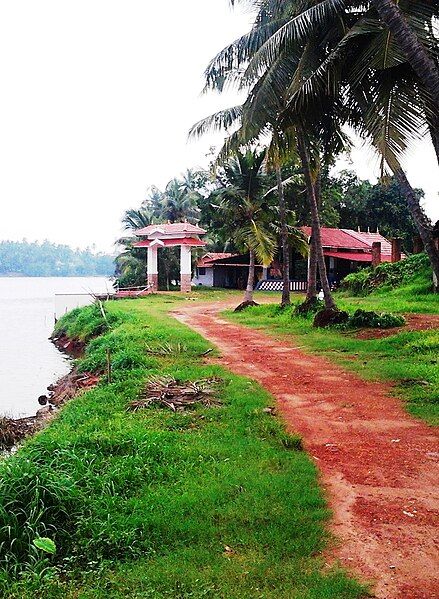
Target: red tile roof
[[171, 229], [338, 238], [208, 259], [369, 238], [170, 242]]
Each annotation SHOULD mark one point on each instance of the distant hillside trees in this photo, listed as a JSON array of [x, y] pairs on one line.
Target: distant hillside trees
[[22, 258]]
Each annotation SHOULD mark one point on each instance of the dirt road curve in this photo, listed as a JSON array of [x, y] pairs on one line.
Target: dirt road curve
[[378, 465]]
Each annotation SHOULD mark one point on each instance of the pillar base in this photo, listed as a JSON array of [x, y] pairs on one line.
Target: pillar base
[[185, 283], [153, 282]]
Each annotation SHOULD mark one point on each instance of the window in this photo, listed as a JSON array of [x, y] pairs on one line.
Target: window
[[201, 272]]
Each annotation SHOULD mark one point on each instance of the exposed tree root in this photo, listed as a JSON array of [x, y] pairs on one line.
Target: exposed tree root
[[244, 305]]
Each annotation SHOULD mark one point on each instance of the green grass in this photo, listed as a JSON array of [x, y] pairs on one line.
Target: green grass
[[143, 504], [410, 359]]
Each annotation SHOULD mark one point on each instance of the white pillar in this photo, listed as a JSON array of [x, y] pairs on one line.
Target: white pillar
[[185, 268], [151, 266]]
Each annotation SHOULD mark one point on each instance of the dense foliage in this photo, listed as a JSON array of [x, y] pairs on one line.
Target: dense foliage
[[346, 202], [23, 258], [414, 269]]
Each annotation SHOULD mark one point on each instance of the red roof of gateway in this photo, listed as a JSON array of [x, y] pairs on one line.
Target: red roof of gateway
[[170, 242], [171, 229]]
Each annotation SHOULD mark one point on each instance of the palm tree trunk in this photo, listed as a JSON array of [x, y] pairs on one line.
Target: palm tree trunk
[[410, 44], [311, 291], [248, 297], [286, 301], [316, 235], [423, 224], [434, 132]]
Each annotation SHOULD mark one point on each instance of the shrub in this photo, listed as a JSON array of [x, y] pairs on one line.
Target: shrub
[[363, 318], [388, 274]]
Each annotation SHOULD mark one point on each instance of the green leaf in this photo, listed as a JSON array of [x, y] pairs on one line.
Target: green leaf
[[45, 544]]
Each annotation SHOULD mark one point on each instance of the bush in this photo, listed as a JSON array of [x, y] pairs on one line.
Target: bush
[[363, 318], [388, 274]]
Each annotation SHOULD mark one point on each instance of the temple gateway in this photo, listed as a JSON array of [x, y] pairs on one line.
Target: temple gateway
[[155, 237]]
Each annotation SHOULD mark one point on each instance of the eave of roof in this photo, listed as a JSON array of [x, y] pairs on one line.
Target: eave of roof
[[171, 229]]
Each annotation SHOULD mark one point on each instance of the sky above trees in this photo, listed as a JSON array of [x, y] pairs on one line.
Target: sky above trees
[[97, 101]]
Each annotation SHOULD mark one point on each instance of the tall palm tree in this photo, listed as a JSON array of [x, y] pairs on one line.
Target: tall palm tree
[[243, 210], [179, 203], [268, 82], [363, 67]]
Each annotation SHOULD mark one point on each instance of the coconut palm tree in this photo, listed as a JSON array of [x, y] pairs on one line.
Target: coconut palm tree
[[268, 84], [179, 203], [418, 57], [362, 66], [243, 210]]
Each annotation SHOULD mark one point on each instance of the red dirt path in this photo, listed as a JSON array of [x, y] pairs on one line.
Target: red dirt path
[[377, 464]]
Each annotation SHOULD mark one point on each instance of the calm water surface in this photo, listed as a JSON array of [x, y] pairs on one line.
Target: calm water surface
[[28, 361]]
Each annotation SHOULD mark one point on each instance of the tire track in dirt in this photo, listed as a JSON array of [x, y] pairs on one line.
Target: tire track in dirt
[[378, 465]]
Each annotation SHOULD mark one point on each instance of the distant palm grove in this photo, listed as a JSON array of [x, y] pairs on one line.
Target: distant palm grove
[[22, 258]]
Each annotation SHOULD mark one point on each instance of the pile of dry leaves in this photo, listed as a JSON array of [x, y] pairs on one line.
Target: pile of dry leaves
[[177, 395]]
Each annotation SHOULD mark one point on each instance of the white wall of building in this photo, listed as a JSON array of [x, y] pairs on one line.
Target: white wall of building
[[206, 279]]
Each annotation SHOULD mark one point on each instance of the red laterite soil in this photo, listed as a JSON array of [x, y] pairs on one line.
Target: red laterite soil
[[378, 465]]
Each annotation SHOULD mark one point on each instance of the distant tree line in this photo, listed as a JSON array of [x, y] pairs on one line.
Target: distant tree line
[[33, 259]]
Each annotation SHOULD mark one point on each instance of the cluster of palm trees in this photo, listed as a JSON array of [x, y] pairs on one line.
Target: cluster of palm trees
[[312, 71], [236, 203], [178, 202]]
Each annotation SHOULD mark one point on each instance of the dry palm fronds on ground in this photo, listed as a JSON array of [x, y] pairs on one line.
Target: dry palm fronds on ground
[[166, 349], [177, 395]]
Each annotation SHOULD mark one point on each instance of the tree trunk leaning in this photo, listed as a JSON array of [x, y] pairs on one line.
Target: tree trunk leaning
[[408, 41], [423, 224], [286, 300], [311, 291], [316, 234]]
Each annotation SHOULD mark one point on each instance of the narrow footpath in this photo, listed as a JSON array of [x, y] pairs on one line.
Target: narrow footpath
[[378, 465]]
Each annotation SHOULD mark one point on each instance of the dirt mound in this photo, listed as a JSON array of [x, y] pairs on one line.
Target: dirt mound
[[414, 322], [329, 317]]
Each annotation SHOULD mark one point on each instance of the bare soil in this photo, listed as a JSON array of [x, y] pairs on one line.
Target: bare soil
[[414, 322], [378, 465]]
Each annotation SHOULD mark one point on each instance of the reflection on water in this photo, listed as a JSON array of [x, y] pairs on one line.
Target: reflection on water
[[28, 361]]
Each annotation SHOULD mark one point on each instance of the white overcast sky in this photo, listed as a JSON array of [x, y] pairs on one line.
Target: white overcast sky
[[96, 100]]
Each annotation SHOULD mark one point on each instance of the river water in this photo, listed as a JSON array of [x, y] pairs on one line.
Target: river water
[[28, 361]]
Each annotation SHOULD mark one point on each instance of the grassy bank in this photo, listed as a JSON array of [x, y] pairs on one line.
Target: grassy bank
[[410, 359], [214, 502]]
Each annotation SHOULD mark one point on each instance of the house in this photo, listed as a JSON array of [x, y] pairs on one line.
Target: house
[[345, 251], [216, 269]]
